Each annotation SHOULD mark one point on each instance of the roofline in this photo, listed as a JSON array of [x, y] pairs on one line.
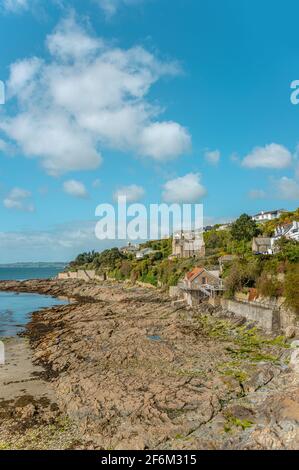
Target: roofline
[[203, 269], [269, 212]]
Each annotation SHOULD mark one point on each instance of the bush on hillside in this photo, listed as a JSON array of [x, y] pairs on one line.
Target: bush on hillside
[[269, 286], [291, 288]]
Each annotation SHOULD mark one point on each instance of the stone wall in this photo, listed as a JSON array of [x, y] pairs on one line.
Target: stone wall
[[84, 275], [289, 321], [270, 315], [263, 316]]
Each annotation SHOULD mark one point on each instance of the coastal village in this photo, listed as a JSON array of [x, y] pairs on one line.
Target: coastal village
[[183, 343], [187, 264], [149, 240]]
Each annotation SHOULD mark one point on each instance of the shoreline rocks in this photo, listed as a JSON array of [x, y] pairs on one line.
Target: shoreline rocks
[[135, 372]]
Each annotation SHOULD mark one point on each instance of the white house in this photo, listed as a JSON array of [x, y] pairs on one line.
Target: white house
[[290, 231], [224, 227], [141, 254], [265, 216], [129, 249]]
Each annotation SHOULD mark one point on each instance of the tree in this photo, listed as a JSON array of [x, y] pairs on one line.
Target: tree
[[244, 228], [288, 250]]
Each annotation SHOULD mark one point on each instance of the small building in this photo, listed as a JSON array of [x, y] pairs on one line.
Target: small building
[[129, 249], [188, 244], [224, 227], [199, 284], [290, 231], [141, 254], [262, 245], [265, 216]]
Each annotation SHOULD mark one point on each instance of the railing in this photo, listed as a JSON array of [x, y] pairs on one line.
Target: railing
[[207, 289]]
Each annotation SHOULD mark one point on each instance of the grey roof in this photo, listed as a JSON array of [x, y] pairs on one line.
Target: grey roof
[[269, 212], [262, 241]]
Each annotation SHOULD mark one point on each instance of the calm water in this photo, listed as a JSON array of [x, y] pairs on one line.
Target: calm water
[[16, 309], [28, 273]]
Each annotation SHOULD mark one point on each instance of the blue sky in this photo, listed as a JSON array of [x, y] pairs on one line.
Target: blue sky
[[176, 101]]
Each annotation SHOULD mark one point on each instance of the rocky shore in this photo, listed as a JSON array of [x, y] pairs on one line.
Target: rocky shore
[[131, 371]]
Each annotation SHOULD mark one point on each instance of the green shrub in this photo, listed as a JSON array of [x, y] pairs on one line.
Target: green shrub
[[269, 286], [291, 288]]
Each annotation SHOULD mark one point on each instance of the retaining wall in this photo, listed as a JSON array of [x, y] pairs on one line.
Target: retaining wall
[[273, 317], [84, 275]]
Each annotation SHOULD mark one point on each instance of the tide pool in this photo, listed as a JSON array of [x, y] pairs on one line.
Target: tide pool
[[16, 309]]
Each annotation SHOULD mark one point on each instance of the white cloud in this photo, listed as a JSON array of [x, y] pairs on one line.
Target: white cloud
[[257, 194], [185, 189], [110, 7], [212, 156], [70, 41], [287, 188], [21, 74], [87, 97], [133, 193], [75, 188], [15, 6], [61, 243], [270, 156], [18, 199], [164, 140]]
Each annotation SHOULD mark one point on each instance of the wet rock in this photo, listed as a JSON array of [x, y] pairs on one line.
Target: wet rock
[[290, 332], [263, 375], [127, 390], [294, 361], [25, 413]]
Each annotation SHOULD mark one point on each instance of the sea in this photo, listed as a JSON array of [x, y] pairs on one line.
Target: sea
[[16, 308]]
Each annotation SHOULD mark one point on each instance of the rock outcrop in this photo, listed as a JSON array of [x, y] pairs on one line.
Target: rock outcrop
[[135, 372]]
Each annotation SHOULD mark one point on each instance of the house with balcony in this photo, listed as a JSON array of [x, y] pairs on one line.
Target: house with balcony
[[290, 231], [201, 283]]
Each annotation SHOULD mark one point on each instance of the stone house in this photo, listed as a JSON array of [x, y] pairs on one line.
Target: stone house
[[262, 245], [188, 244], [199, 284]]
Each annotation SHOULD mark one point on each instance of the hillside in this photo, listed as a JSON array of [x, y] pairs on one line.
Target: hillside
[[271, 275]]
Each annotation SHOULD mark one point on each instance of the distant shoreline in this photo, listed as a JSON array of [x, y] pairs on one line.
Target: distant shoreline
[[33, 265]]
